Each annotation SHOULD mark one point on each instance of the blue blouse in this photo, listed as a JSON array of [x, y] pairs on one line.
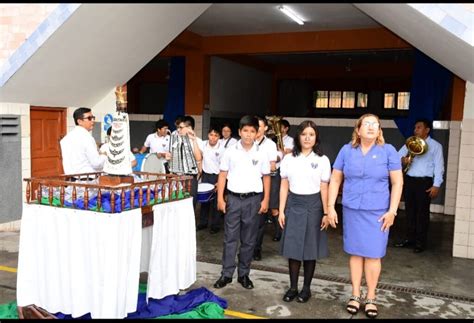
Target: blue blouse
[[367, 178]]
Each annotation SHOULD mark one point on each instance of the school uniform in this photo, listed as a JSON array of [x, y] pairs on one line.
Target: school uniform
[[157, 144], [211, 157], [302, 238], [245, 187]]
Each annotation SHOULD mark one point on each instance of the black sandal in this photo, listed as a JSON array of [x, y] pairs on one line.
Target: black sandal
[[371, 312], [352, 309]]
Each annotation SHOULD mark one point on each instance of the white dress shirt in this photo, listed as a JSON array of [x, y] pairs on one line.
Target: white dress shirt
[[305, 173], [157, 144], [211, 157], [79, 152], [245, 168]]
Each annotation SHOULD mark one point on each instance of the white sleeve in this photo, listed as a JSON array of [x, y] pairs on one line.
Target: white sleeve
[[97, 161], [326, 169], [225, 161], [265, 169], [147, 141], [284, 167]]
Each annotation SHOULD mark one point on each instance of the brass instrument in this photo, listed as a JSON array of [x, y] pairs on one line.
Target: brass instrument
[[416, 146], [274, 122]]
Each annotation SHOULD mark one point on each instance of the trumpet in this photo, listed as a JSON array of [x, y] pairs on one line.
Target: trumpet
[[416, 146]]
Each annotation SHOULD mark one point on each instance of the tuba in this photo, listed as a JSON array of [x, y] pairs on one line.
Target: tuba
[[416, 146], [274, 122]]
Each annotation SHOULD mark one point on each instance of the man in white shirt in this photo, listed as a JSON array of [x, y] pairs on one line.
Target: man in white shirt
[[78, 148], [159, 141]]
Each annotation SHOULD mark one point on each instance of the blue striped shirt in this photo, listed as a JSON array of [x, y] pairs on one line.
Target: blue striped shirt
[[430, 164]]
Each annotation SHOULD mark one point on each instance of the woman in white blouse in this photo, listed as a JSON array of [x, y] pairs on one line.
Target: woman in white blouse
[[303, 217]]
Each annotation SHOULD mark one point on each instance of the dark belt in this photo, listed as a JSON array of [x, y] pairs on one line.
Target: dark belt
[[243, 195], [424, 178]]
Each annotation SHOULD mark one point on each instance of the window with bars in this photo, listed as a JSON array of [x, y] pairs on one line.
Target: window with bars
[[340, 99], [397, 100]]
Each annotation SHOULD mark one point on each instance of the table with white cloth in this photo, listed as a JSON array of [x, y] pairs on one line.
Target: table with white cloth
[[78, 262]]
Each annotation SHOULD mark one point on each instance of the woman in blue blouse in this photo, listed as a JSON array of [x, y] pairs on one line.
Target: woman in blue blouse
[[367, 165]]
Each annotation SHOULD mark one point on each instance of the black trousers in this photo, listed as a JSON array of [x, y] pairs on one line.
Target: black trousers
[[210, 209], [417, 208]]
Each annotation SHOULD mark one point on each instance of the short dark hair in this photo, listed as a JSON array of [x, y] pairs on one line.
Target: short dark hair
[[226, 124], [285, 123], [109, 131], [179, 118], [302, 126], [261, 118], [79, 114], [189, 121], [160, 124], [427, 123], [248, 120], [214, 129]]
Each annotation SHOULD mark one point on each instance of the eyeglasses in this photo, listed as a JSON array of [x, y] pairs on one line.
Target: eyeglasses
[[374, 124], [90, 118]]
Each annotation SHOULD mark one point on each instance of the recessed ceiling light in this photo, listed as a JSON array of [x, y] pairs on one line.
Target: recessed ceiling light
[[291, 14]]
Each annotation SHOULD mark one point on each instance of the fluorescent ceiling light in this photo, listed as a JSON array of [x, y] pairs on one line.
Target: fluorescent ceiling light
[[291, 14]]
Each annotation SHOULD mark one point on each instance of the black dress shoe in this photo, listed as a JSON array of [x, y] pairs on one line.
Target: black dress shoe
[[290, 295], [404, 244], [257, 255], [303, 296], [276, 238], [201, 227], [222, 282], [245, 282]]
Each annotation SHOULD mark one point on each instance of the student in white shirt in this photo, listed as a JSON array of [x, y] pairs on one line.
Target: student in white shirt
[[243, 165], [186, 128], [78, 148], [270, 149], [303, 208], [211, 156], [227, 140], [159, 141]]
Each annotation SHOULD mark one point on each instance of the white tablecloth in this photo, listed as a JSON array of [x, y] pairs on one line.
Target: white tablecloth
[[172, 262], [78, 262]]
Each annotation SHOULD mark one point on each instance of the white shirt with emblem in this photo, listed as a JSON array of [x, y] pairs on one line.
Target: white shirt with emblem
[[305, 173], [211, 157], [245, 168], [157, 144]]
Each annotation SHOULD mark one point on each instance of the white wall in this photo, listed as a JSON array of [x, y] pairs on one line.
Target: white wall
[[463, 245]]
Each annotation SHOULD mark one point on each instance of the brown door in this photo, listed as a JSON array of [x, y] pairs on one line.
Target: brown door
[[47, 127]]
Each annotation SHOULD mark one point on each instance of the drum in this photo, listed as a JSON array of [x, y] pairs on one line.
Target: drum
[[152, 164], [206, 192]]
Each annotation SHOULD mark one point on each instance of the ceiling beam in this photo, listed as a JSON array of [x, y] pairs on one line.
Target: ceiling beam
[[333, 40]]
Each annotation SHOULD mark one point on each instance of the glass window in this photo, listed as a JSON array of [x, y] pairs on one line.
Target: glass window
[[403, 101], [348, 99], [362, 100], [334, 99], [321, 99], [389, 101]]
